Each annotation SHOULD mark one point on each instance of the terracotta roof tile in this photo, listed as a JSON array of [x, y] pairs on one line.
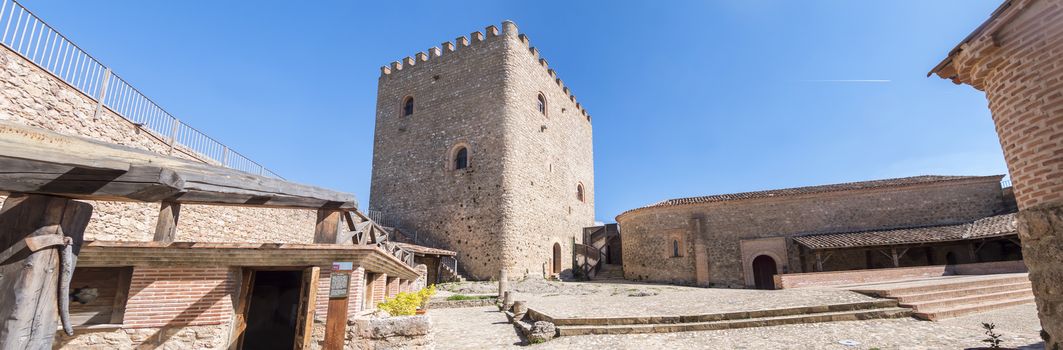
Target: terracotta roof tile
[[848, 186], [993, 226]]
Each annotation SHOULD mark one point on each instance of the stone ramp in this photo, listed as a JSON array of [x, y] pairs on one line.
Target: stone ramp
[[939, 298], [716, 321]]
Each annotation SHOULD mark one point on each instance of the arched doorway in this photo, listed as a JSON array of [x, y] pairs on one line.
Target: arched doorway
[[557, 257], [764, 271], [950, 258]]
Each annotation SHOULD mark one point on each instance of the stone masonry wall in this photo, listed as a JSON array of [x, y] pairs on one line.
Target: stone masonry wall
[[517, 198], [457, 101], [547, 158], [1017, 60], [648, 256], [31, 96]]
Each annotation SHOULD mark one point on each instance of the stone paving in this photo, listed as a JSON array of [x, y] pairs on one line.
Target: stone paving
[[590, 299], [482, 328]]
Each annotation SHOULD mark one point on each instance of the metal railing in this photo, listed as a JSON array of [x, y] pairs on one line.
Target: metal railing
[[1005, 183], [33, 39]]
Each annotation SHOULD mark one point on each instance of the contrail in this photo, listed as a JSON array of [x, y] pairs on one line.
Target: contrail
[[848, 81]]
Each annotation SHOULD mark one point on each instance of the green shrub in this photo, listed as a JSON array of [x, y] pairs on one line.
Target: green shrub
[[426, 294], [403, 304]]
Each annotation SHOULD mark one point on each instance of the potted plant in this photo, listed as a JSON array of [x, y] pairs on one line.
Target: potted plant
[[425, 295]]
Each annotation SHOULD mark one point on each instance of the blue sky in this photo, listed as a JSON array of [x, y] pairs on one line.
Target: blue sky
[[688, 98]]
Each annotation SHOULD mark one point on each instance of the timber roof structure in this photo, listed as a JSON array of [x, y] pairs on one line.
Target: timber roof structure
[[988, 227]]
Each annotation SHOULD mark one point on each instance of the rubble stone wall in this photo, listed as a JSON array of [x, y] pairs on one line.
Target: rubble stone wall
[[648, 252], [31, 96]]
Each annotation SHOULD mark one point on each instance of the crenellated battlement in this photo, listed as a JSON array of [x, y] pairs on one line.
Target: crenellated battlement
[[477, 38]]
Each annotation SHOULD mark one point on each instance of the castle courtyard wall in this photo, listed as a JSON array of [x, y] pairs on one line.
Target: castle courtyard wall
[[648, 232]]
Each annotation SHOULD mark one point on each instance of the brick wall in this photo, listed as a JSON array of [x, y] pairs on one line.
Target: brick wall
[[647, 256], [179, 296], [1015, 59], [518, 196], [31, 96]]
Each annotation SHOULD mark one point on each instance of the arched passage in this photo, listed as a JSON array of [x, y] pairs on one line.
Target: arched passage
[[764, 270], [557, 258]]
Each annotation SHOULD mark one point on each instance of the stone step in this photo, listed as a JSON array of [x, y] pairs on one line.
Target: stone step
[[916, 298], [657, 320], [940, 286], [940, 314], [852, 315], [969, 300]]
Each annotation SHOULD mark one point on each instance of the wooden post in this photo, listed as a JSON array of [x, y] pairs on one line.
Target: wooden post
[[328, 226], [336, 317], [305, 323], [31, 278], [503, 283], [166, 226], [819, 262]]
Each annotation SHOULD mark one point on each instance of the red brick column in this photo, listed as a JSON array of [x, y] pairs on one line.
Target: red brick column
[[357, 291], [1015, 59], [377, 288], [393, 287]]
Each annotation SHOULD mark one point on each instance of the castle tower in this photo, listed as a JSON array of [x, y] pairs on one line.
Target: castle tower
[[480, 148]]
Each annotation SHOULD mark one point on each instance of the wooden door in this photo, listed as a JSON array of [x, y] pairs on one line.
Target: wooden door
[[764, 271]]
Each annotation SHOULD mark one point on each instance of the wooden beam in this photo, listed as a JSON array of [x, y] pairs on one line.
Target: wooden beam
[[35, 160], [328, 226], [166, 226], [31, 280]]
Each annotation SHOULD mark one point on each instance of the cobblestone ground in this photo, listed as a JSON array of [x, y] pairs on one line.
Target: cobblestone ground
[[472, 328], [586, 299], [481, 328]]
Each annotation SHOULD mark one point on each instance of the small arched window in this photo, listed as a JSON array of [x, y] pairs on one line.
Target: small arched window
[[675, 248], [579, 192], [407, 106], [542, 104], [461, 158]]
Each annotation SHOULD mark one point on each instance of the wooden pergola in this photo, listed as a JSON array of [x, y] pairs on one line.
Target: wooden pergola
[[42, 223]]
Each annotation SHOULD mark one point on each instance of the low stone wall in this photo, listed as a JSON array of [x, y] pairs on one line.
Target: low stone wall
[[450, 304], [403, 332], [833, 278], [177, 337], [989, 268]]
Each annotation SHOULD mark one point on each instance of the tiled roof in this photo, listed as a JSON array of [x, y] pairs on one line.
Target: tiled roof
[[993, 226], [848, 186]]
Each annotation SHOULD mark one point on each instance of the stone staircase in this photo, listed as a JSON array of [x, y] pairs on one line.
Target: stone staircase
[[664, 324], [449, 275], [610, 272], [953, 296]]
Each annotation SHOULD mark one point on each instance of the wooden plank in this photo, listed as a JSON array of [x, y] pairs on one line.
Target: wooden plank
[[305, 323], [34, 160], [121, 295], [166, 226], [247, 282], [30, 280], [335, 323], [328, 226]]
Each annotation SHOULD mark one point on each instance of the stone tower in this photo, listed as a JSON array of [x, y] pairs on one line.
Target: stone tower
[[481, 149]]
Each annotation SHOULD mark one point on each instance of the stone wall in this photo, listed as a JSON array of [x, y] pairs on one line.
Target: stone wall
[[1015, 59], [30, 95], [517, 198], [647, 232], [177, 337]]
